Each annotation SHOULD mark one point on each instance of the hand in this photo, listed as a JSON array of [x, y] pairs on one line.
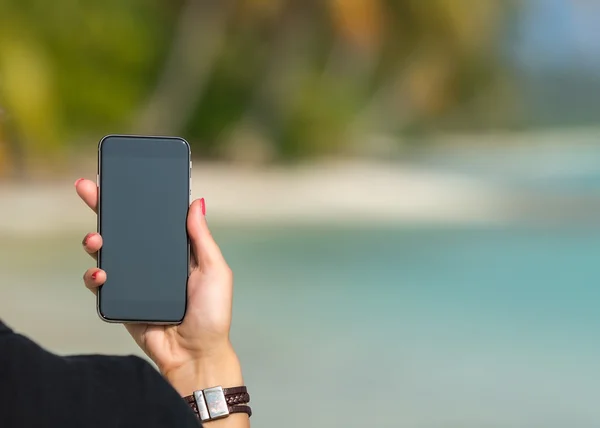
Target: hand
[[197, 353]]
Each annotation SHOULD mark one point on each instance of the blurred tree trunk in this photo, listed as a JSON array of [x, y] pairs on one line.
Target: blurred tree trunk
[[12, 157], [289, 60], [198, 36]]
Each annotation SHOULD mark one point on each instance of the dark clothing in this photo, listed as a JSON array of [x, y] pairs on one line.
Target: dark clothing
[[40, 389]]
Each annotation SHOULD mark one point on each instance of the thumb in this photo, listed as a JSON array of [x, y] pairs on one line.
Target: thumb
[[206, 250]]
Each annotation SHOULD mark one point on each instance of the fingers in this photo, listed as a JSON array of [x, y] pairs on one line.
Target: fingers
[[206, 251], [94, 278], [92, 242], [88, 191]]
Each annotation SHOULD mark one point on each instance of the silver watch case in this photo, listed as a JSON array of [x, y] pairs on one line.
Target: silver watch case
[[211, 404]]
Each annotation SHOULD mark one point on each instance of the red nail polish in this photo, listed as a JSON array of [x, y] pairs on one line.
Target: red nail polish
[[94, 275], [78, 181], [203, 205], [85, 240]]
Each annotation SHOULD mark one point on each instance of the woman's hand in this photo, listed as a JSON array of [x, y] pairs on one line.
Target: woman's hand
[[197, 353]]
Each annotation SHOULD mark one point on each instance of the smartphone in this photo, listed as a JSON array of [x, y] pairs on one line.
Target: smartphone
[[144, 192]]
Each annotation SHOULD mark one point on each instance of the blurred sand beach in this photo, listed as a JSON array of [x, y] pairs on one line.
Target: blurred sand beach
[[465, 180], [352, 193]]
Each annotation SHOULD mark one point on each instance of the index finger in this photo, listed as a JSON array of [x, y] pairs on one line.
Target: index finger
[[88, 192]]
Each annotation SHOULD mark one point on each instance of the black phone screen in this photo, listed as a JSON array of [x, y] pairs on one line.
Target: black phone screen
[[144, 194]]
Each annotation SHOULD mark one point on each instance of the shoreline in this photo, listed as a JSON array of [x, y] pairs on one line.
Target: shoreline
[[342, 193]]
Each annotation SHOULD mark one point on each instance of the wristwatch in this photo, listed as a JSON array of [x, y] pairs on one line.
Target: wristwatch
[[218, 402]]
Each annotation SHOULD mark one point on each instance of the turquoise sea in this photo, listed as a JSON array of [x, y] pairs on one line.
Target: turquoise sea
[[373, 327], [421, 327]]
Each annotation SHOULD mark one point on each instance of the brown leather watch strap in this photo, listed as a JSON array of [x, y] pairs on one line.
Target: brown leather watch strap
[[240, 409], [236, 398], [235, 390]]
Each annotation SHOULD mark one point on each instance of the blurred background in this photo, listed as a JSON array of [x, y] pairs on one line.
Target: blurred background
[[408, 192]]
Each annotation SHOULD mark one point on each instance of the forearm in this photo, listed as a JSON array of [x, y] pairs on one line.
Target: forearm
[[222, 369]]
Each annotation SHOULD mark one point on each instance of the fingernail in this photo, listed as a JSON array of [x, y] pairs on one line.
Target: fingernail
[[78, 181], [94, 275], [88, 236], [203, 205]]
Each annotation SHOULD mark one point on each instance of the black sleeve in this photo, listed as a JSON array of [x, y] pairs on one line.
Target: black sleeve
[[40, 389]]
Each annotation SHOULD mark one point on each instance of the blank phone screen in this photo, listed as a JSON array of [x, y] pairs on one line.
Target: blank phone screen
[[143, 203]]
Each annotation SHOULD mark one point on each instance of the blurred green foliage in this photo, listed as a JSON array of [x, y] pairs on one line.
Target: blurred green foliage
[[248, 79]]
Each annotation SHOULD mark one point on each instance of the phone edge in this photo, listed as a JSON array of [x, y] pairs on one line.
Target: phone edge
[[99, 226]]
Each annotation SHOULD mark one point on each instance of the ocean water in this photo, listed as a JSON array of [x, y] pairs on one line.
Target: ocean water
[[372, 327]]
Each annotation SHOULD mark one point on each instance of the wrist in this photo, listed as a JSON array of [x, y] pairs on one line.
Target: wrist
[[221, 368]]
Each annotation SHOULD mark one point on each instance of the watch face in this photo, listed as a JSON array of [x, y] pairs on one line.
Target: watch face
[[216, 403]]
